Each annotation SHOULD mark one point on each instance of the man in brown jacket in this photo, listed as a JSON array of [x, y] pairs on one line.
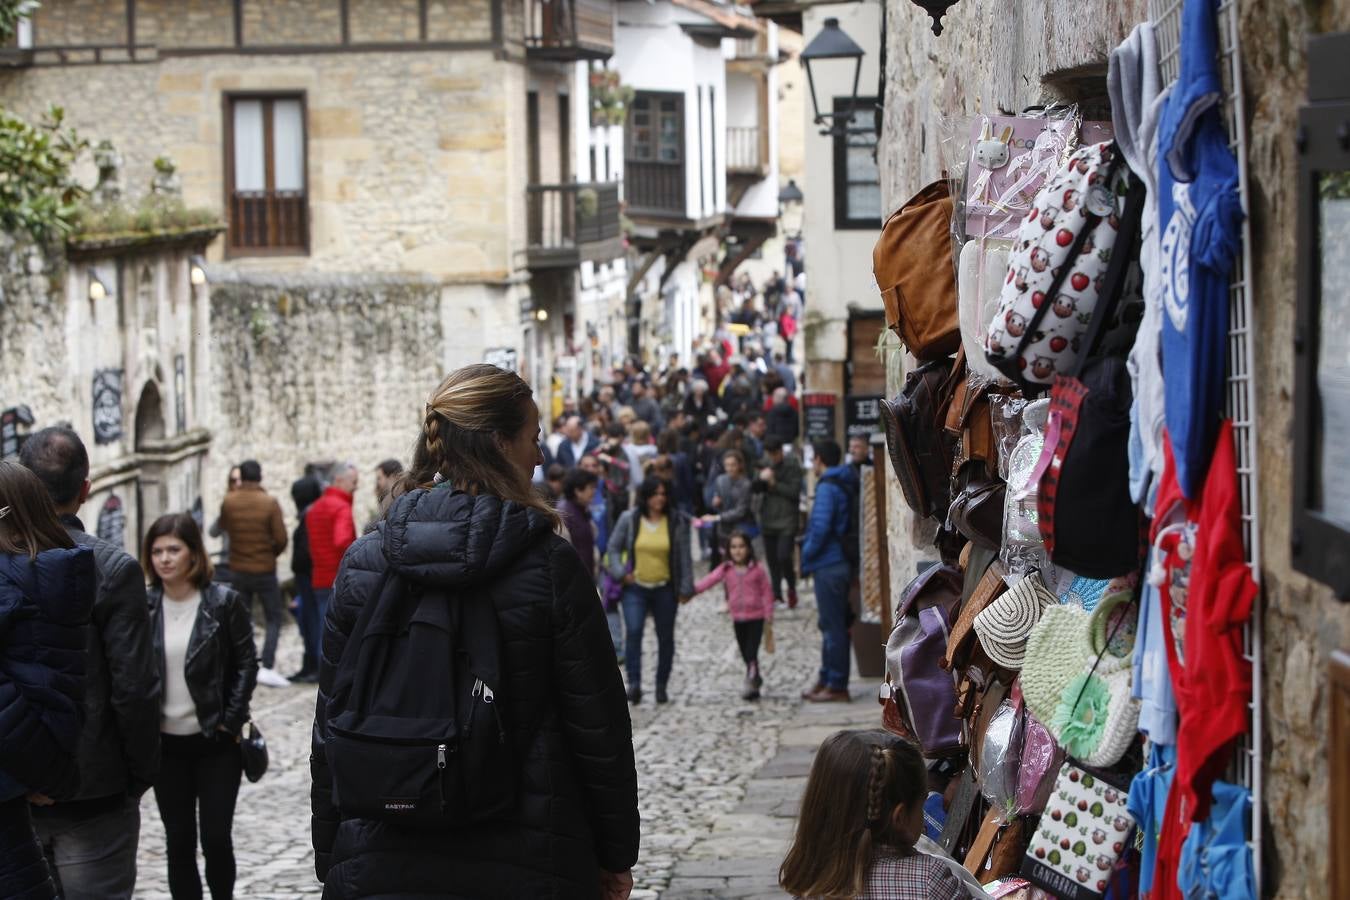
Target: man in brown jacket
[[252, 519]]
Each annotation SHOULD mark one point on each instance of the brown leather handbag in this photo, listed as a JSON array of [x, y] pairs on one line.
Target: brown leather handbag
[[912, 262], [998, 848]]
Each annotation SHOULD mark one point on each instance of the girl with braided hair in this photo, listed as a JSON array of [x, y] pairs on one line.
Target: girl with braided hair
[[861, 816], [465, 524]]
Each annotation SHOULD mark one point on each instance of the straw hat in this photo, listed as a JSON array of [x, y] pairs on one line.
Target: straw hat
[[1005, 624]]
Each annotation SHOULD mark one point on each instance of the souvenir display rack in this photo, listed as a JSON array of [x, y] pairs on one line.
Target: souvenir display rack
[[1241, 402]]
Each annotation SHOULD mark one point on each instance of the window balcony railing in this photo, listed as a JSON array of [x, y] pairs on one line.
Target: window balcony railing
[[269, 222], [569, 223], [745, 151], [655, 188], [569, 30]]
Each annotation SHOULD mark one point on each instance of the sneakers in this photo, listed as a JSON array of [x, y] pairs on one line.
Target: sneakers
[[827, 695], [272, 678]]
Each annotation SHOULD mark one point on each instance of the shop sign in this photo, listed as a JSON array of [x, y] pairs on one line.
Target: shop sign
[[862, 415], [820, 416], [107, 406]]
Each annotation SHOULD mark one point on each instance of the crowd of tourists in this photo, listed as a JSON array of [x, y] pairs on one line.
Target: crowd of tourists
[[554, 549]]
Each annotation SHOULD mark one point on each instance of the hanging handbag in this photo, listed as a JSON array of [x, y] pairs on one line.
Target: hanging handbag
[[1062, 265], [919, 446], [912, 264], [923, 693], [1085, 829], [253, 749], [1076, 679], [999, 847]]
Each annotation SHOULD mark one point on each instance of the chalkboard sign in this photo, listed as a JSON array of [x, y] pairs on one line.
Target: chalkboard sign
[[819, 412], [862, 415]]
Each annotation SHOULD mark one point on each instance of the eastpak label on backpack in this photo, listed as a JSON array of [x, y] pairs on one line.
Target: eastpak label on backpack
[[417, 735]]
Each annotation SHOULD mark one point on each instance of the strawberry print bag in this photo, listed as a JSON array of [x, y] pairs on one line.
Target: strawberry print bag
[[1085, 828], [1060, 272]]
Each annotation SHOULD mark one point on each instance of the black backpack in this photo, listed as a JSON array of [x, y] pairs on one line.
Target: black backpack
[[417, 733]]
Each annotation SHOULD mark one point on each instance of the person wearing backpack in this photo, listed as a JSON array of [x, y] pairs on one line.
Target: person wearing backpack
[[825, 559], [500, 762]]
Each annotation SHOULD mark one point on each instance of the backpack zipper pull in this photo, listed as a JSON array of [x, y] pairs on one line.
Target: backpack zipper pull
[[478, 688], [487, 694], [440, 782]]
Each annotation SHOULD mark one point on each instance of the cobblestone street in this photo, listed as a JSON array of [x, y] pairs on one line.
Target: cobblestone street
[[718, 777]]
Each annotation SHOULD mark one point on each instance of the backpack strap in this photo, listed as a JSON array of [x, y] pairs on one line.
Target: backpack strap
[[1113, 283]]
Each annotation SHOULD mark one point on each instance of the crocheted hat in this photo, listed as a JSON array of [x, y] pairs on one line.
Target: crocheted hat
[[1005, 624]]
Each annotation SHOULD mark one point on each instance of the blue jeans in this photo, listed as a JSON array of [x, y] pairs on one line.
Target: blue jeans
[[322, 597], [832, 616], [307, 618], [661, 603]]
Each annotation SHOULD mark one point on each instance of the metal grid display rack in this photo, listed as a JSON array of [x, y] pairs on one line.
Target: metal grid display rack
[[1240, 404]]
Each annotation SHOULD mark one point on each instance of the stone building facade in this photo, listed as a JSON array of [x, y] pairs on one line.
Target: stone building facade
[[424, 131], [1008, 56]]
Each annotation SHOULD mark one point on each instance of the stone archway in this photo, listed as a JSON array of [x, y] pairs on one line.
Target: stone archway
[[152, 494]]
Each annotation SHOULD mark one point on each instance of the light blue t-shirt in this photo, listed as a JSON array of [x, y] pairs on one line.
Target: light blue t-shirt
[[1201, 214]]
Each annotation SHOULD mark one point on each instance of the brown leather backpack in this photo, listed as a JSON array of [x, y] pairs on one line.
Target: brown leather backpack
[[912, 262]]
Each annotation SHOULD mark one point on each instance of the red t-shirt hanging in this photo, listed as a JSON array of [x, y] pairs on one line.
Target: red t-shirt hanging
[[1206, 601]]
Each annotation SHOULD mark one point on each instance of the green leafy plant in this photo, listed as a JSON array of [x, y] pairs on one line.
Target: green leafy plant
[[588, 203], [154, 214], [11, 13], [610, 98], [39, 194]]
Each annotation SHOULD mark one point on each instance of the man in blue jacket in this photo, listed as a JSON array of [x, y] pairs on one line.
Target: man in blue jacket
[[823, 558]]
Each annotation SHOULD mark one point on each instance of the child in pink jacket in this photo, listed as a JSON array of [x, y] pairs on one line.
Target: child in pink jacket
[[749, 600]]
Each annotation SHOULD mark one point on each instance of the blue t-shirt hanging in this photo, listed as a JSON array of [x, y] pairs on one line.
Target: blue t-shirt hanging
[[1200, 207]]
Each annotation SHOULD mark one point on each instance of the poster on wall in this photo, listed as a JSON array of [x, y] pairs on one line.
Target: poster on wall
[[107, 406], [820, 416], [503, 358], [180, 392], [112, 521], [862, 415], [10, 420]]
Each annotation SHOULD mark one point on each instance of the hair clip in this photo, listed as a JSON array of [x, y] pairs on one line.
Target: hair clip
[[437, 478], [4, 511]]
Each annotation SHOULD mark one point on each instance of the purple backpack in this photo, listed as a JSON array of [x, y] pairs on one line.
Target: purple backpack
[[925, 692]]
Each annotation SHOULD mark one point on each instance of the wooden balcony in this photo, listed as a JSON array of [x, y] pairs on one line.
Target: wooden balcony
[[269, 222], [746, 153], [654, 188], [570, 223], [569, 30]]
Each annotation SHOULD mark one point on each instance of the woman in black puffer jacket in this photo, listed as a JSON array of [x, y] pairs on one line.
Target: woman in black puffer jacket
[[46, 594], [468, 524]]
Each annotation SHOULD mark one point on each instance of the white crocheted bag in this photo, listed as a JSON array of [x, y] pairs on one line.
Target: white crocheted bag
[[1076, 679]]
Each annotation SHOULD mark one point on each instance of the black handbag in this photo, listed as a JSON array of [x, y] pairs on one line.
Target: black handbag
[[253, 748]]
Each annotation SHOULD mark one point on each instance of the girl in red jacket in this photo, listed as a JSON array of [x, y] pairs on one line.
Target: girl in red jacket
[[749, 600]]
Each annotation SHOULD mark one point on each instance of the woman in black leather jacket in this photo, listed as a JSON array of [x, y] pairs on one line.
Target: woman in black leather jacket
[[208, 667], [467, 527]]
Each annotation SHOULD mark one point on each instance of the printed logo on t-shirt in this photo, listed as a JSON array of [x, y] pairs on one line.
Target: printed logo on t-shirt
[[1176, 257]]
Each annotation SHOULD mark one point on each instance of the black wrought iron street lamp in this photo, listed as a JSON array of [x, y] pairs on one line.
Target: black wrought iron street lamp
[[937, 9], [832, 44]]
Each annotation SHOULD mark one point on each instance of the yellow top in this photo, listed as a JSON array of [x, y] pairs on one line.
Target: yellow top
[[651, 553]]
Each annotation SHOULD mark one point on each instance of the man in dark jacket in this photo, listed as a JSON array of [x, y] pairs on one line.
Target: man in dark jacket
[[252, 519], [567, 724], [824, 558], [782, 417], [780, 480], [90, 839]]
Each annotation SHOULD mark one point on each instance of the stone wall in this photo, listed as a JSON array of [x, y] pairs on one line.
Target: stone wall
[[31, 337], [1056, 49], [1303, 622], [408, 160], [305, 371]]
